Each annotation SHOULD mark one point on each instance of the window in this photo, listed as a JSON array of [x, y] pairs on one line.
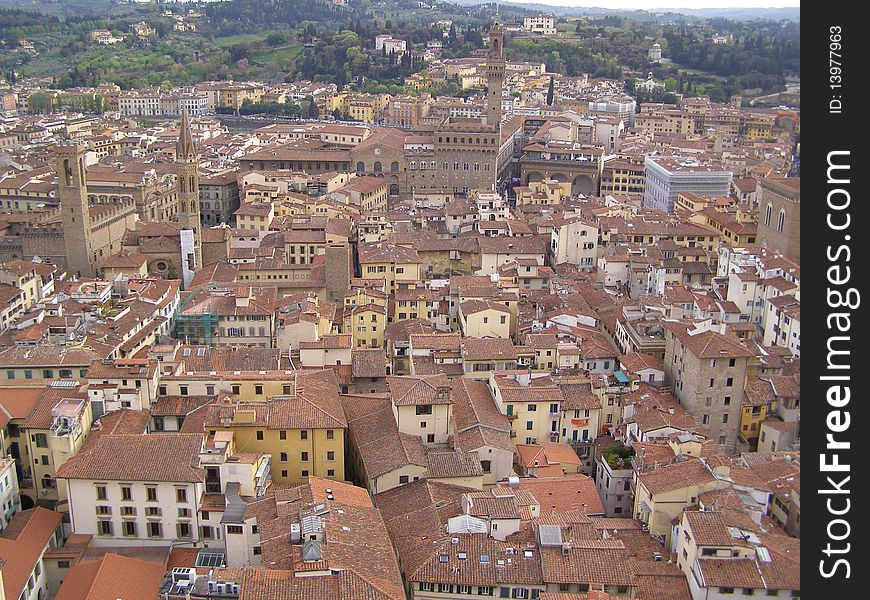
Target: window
[[260, 435], [104, 510], [725, 418], [41, 440], [486, 465], [330, 434], [282, 435], [423, 409], [237, 390], [185, 530], [181, 495], [430, 438], [305, 472], [101, 492], [729, 382], [234, 529], [330, 455], [258, 389], [104, 528], [727, 401], [151, 494], [304, 457], [530, 425], [129, 528], [303, 434], [126, 493], [283, 457], [533, 407]]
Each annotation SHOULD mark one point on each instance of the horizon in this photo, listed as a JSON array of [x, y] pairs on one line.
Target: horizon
[[663, 4]]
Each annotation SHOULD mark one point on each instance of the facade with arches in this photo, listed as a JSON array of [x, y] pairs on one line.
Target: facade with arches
[[779, 219]]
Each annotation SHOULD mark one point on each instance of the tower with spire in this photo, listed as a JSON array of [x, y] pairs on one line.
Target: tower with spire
[[495, 68], [187, 171]]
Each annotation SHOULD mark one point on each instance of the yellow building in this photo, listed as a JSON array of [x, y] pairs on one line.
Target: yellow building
[[366, 323], [255, 215], [543, 193], [484, 319], [22, 275], [399, 266], [303, 433], [234, 95], [361, 296], [530, 401], [53, 433], [662, 494], [367, 108], [414, 303], [759, 402]]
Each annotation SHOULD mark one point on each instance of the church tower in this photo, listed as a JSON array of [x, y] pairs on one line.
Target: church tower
[[72, 194], [494, 73], [187, 170]]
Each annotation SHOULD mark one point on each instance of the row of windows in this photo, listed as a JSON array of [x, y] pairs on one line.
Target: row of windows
[[46, 373], [150, 494], [446, 166]]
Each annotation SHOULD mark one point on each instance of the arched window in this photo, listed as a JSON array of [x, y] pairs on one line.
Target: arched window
[[780, 222], [413, 165], [434, 165], [394, 167], [360, 167], [394, 189], [378, 167], [767, 214]]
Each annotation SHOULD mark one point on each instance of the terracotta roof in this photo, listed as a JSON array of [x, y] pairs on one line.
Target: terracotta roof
[[21, 544], [443, 465], [709, 344], [369, 362], [414, 390], [153, 457], [501, 349], [18, 401], [574, 492], [110, 578], [380, 445], [676, 476]]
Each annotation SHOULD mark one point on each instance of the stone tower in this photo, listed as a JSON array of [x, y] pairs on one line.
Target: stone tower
[[494, 73], [187, 170], [72, 194]]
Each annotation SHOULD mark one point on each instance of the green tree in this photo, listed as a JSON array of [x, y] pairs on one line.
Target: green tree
[[550, 92], [171, 271], [276, 39]]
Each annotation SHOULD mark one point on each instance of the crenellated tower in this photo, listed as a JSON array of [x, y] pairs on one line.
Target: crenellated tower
[[495, 69], [72, 194]]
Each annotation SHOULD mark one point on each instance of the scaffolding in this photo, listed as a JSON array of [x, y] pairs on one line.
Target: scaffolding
[[200, 328]]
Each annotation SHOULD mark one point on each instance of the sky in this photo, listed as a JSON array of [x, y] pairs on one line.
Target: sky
[[648, 4]]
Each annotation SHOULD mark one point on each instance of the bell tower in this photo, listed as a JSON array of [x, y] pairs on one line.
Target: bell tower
[[495, 68], [187, 171], [72, 194]]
